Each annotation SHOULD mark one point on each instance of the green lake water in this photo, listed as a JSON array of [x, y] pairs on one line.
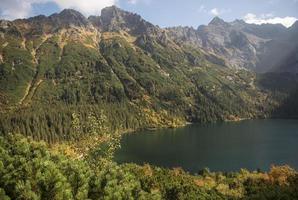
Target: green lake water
[[254, 144]]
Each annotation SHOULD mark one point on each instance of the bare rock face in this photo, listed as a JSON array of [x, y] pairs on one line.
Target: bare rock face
[[40, 25], [7, 27], [69, 17], [265, 31], [259, 48], [233, 45], [185, 36], [120, 59], [115, 19], [282, 53]]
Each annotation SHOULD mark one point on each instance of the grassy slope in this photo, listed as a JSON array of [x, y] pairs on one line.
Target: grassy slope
[[138, 82]]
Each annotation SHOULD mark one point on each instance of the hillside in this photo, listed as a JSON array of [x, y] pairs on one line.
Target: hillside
[[32, 170], [137, 74]]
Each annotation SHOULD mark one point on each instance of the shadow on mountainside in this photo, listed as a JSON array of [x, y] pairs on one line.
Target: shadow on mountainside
[[283, 89], [289, 107]]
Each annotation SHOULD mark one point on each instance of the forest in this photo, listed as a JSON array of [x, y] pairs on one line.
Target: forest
[[70, 86], [35, 170], [83, 168]]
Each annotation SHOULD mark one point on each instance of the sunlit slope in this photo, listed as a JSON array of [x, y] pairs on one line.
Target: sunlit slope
[[54, 66]]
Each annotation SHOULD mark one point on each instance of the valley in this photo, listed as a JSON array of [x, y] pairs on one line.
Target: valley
[[118, 60], [74, 89]]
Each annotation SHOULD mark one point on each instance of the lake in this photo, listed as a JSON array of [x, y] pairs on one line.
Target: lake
[[252, 144]]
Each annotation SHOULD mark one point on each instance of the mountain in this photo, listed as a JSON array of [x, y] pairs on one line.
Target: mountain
[[241, 45], [115, 19], [138, 74], [281, 54], [266, 31], [225, 40]]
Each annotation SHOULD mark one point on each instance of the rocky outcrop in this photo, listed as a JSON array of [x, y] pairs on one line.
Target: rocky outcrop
[[115, 19], [259, 48]]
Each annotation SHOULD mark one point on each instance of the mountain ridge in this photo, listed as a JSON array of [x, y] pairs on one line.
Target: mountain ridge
[[138, 74], [240, 44]]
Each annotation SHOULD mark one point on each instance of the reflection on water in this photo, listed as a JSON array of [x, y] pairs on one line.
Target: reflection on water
[[254, 144]]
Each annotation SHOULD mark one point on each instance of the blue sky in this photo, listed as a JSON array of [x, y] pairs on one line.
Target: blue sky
[[165, 12]]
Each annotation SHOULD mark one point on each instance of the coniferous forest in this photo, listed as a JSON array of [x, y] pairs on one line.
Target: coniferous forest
[[71, 86]]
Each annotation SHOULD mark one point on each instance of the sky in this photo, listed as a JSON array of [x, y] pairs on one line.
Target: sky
[[165, 13]]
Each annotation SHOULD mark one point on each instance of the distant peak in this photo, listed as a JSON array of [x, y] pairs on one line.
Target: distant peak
[[111, 9], [112, 12], [239, 21], [69, 16], [114, 19], [38, 17], [71, 12], [217, 21]]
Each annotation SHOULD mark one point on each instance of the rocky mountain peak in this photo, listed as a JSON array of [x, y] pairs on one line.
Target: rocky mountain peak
[[71, 13], [182, 30], [238, 23], [184, 35], [8, 28], [265, 31], [216, 21], [112, 18], [69, 17], [115, 19], [111, 11]]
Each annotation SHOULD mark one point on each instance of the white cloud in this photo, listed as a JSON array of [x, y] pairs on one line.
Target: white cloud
[[217, 12], [214, 11], [87, 7], [269, 19], [133, 2], [12, 9]]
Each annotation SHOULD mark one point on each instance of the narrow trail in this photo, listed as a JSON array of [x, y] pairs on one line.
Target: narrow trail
[[30, 91], [35, 82], [26, 93]]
